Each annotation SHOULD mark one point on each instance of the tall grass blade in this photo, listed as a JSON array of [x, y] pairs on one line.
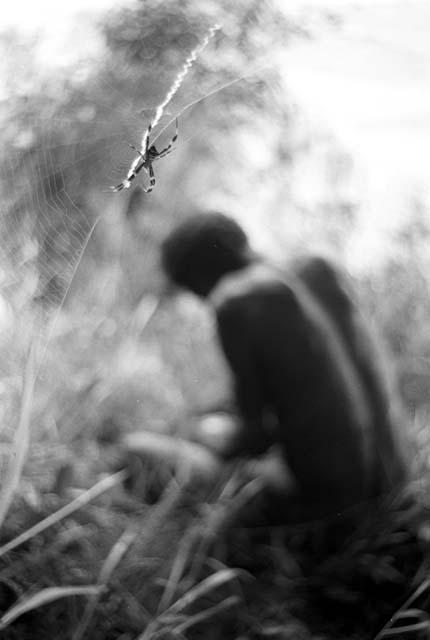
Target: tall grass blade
[[168, 501], [387, 629], [117, 552], [178, 568], [229, 602], [203, 588], [45, 596], [21, 439], [404, 631], [96, 490]]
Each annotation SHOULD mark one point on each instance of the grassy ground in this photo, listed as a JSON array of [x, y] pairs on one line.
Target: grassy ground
[[174, 569], [107, 564], [80, 556]]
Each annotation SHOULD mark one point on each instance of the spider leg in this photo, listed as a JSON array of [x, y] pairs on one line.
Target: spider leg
[[151, 180], [119, 187], [125, 184], [137, 151], [163, 154], [148, 133], [165, 151], [172, 141], [143, 162]]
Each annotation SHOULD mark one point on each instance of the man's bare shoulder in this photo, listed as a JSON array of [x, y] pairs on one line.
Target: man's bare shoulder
[[251, 288]]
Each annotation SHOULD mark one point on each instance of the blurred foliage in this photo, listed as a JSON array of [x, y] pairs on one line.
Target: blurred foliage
[[63, 134], [117, 360], [64, 140], [397, 297]]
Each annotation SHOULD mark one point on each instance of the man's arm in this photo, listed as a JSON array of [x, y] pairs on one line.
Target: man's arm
[[233, 329]]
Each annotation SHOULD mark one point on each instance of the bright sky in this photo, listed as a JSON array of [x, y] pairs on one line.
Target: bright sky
[[368, 82], [67, 30], [370, 85], [50, 14]]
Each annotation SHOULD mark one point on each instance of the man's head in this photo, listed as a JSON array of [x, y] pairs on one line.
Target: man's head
[[202, 249]]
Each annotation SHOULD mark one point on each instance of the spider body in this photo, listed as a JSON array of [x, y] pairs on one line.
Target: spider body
[[144, 161]]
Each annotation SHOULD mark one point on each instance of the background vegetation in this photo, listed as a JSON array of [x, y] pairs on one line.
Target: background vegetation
[[80, 316]]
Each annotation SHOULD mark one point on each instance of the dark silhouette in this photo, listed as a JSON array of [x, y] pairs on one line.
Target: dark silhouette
[[302, 364], [331, 289]]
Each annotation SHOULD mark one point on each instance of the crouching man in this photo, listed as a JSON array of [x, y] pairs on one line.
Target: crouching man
[[301, 364]]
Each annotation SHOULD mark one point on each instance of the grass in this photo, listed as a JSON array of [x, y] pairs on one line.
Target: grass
[[117, 568], [80, 557]]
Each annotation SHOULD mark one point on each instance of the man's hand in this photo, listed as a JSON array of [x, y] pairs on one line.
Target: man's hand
[[219, 432]]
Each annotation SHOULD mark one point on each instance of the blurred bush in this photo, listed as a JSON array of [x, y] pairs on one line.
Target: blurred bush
[[64, 140]]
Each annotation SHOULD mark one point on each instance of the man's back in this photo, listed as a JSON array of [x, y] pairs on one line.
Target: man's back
[[287, 359], [330, 288], [303, 370]]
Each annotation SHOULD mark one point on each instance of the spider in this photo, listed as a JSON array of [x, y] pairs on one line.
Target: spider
[[144, 161]]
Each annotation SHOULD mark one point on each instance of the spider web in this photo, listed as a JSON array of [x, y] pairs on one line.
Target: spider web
[[68, 245], [46, 222], [72, 254]]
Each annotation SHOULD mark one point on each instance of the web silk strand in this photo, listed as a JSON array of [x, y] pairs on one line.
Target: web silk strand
[[180, 78]]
